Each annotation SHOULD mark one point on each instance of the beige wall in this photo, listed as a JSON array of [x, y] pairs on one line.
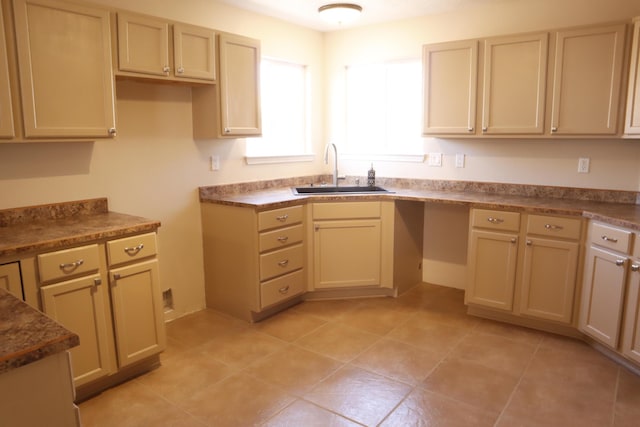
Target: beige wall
[[154, 166]]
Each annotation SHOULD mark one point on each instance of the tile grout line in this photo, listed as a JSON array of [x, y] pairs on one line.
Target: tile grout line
[[615, 397]]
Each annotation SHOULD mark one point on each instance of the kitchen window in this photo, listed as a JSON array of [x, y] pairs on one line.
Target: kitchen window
[[285, 132], [384, 110]]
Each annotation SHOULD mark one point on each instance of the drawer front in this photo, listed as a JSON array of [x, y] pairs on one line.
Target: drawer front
[[553, 226], [281, 262], [282, 288], [279, 217], [496, 220], [614, 238], [281, 237], [68, 262], [346, 210], [131, 248]]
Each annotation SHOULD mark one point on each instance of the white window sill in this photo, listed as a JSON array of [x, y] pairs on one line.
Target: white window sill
[[268, 160], [411, 158]]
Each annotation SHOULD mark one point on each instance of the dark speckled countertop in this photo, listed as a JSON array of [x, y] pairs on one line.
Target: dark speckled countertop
[[613, 207], [26, 334]]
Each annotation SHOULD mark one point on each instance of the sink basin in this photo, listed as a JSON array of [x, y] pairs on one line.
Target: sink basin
[[327, 189]]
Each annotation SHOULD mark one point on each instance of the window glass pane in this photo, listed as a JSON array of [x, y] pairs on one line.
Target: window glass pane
[[283, 89]]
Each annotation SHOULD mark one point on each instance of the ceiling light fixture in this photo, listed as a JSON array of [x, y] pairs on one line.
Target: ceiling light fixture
[[340, 13]]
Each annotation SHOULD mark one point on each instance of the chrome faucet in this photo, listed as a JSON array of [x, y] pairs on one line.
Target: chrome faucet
[[335, 161]]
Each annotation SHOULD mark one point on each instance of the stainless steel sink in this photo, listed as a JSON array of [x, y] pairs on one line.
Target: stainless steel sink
[[327, 189]]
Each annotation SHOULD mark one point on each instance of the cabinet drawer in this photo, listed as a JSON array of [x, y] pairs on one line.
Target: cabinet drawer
[[496, 220], [614, 238], [279, 217], [282, 288], [346, 210], [281, 237], [553, 226], [131, 248], [68, 262], [280, 262]]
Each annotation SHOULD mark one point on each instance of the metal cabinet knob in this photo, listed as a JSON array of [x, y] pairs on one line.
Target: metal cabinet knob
[[554, 129], [227, 130], [529, 242], [112, 132], [635, 267], [470, 129], [619, 262], [166, 69], [180, 70]]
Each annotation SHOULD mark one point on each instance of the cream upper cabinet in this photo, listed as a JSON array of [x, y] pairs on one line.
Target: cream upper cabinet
[[586, 81], [450, 87], [632, 121], [64, 61], [513, 90], [6, 107], [155, 48], [231, 109]]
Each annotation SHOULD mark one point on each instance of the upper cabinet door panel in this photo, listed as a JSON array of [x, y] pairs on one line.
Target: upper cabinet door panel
[[194, 52], [64, 59], [587, 81], [515, 72], [450, 83], [632, 122], [143, 45], [6, 109]]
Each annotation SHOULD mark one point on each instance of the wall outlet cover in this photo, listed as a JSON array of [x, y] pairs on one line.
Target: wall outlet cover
[[435, 159]]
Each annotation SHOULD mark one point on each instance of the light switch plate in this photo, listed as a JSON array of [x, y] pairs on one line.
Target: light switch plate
[[459, 160], [435, 159], [583, 165]]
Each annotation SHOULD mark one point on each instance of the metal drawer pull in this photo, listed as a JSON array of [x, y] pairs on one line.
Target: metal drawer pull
[[97, 282], [71, 265], [134, 250], [282, 218], [609, 239], [493, 220], [553, 227], [619, 262], [283, 263], [635, 267], [284, 290], [283, 239]]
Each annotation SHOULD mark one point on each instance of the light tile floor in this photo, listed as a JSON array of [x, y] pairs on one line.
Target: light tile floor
[[417, 360]]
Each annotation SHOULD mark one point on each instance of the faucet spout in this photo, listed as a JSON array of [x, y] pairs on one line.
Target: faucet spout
[[335, 161]]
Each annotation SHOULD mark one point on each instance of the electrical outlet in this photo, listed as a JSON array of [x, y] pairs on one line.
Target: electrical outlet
[[459, 160], [215, 162], [583, 165], [435, 159]]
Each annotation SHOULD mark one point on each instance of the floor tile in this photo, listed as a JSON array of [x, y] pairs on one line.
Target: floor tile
[[242, 348], [338, 341], [376, 320], [512, 332], [472, 383], [627, 409], [359, 395], [289, 325], [294, 369], [239, 400], [398, 361], [424, 408], [435, 337], [305, 414], [327, 309]]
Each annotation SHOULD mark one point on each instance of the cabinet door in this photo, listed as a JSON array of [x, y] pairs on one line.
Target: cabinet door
[[239, 86], [6, 108], [450, 83], [587, 81], [549, 279], [66, 79], [143, 45], [632, 122], [492, 269], [602, 295], [515, 72], [194, 52], [137, 311], [347, 253], [631, 339], [82, 306], [10, 278]]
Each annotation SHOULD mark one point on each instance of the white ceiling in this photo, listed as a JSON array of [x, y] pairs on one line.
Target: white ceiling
[[305, 12]]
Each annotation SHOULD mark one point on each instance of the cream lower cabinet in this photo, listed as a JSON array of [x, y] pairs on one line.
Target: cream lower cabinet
[[118, 317], [350, 245], [255, 261], [10, 278], [631, 328], [523, 264], [604, 284]]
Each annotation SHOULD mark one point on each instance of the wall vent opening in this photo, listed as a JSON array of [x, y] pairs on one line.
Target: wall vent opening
[[167, 300]]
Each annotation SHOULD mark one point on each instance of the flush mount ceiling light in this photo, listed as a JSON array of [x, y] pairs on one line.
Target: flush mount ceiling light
[[340, 13]]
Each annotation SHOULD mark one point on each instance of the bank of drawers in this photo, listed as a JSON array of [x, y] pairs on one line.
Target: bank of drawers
[[282, 255]]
